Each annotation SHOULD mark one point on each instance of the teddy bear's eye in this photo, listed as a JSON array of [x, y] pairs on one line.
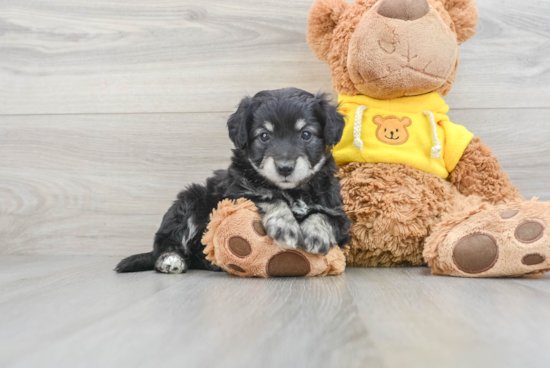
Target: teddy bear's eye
[[396, 130], [385, 129]]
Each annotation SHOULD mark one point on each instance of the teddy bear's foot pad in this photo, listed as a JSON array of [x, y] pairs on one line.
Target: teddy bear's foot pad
[[287, 264], [475, 253], [498, 242]]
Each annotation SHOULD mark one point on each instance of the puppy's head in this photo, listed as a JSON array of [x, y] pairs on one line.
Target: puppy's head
[[285, 133]]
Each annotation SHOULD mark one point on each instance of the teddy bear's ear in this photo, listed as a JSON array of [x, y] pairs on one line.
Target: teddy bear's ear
[[323, 19], [378, 120], [465, 16], [406, 121]]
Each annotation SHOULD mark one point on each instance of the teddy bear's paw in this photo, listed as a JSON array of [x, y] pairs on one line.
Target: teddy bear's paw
[[501, 241], [238, 241], [170, 263], [258, 256], [317, 233], [253, 253]]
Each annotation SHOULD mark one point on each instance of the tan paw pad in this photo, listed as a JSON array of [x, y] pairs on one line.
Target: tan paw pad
[[288, 263], [259, 228], [529, 232], [475, 253], [235, 267], [239, 246], [508, 214], [532, 259]]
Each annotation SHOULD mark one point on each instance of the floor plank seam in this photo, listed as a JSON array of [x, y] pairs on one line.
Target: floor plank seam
[[232, 111]]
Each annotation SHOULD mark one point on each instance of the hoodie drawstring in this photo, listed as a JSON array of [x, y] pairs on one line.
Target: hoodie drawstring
[[357, 142], [357, 126], [436, 149]]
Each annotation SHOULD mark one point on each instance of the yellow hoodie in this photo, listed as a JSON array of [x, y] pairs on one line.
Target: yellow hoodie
[[401, 131]]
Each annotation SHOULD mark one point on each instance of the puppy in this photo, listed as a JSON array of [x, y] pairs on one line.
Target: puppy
[[282, 162]]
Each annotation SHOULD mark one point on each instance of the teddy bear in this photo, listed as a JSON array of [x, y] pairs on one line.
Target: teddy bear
[[419, 189], [236, 241]]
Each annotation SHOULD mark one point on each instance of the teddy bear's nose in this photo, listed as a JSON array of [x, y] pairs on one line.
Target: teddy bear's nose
[[403, 9]]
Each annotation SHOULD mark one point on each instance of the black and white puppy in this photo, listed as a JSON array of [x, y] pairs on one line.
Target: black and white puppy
[[282, 162]]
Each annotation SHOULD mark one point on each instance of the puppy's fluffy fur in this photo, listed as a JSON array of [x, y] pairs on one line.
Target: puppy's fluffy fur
[[282, 162]]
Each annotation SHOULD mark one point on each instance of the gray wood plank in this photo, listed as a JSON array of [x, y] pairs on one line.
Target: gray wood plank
[[419, 320], [99, 184], [507, 62], [68, 56], [77, 56], [519, 138], [74, 311], [97, 318]]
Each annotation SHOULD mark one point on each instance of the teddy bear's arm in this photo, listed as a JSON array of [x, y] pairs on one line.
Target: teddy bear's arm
[[479, 173]]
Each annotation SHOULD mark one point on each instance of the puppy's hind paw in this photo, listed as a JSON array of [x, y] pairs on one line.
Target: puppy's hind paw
[[170, 263]]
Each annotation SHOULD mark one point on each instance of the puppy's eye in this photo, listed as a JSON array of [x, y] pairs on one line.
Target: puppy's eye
[[264, 137], [306, 136]]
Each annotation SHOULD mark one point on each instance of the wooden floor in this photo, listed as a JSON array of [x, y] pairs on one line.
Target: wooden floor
[[74, 311]]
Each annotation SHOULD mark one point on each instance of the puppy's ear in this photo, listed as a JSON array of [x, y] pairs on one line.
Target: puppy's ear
[[238, 123], [329, 117], [323, 19]]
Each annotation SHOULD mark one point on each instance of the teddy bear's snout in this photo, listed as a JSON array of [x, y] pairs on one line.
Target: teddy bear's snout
[[404, 9], [391, 133], [401, 48]]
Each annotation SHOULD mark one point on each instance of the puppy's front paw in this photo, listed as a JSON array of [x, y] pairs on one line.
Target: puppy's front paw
[[318, 235], [280, 224], [284, 231]]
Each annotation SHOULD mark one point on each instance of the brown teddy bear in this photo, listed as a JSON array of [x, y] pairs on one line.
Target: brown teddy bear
[[418, 188], [236, 241]]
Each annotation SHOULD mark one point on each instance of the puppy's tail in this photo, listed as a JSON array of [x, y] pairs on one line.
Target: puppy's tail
[[137, 263]]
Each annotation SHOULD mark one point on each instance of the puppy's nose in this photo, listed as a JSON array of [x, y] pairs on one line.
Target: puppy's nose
[[285, 169], [404, 9]]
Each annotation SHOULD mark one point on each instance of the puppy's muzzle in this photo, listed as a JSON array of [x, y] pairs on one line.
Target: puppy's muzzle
[[285, 168]]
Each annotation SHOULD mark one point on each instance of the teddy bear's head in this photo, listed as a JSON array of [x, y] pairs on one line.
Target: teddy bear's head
[[391, 48]]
